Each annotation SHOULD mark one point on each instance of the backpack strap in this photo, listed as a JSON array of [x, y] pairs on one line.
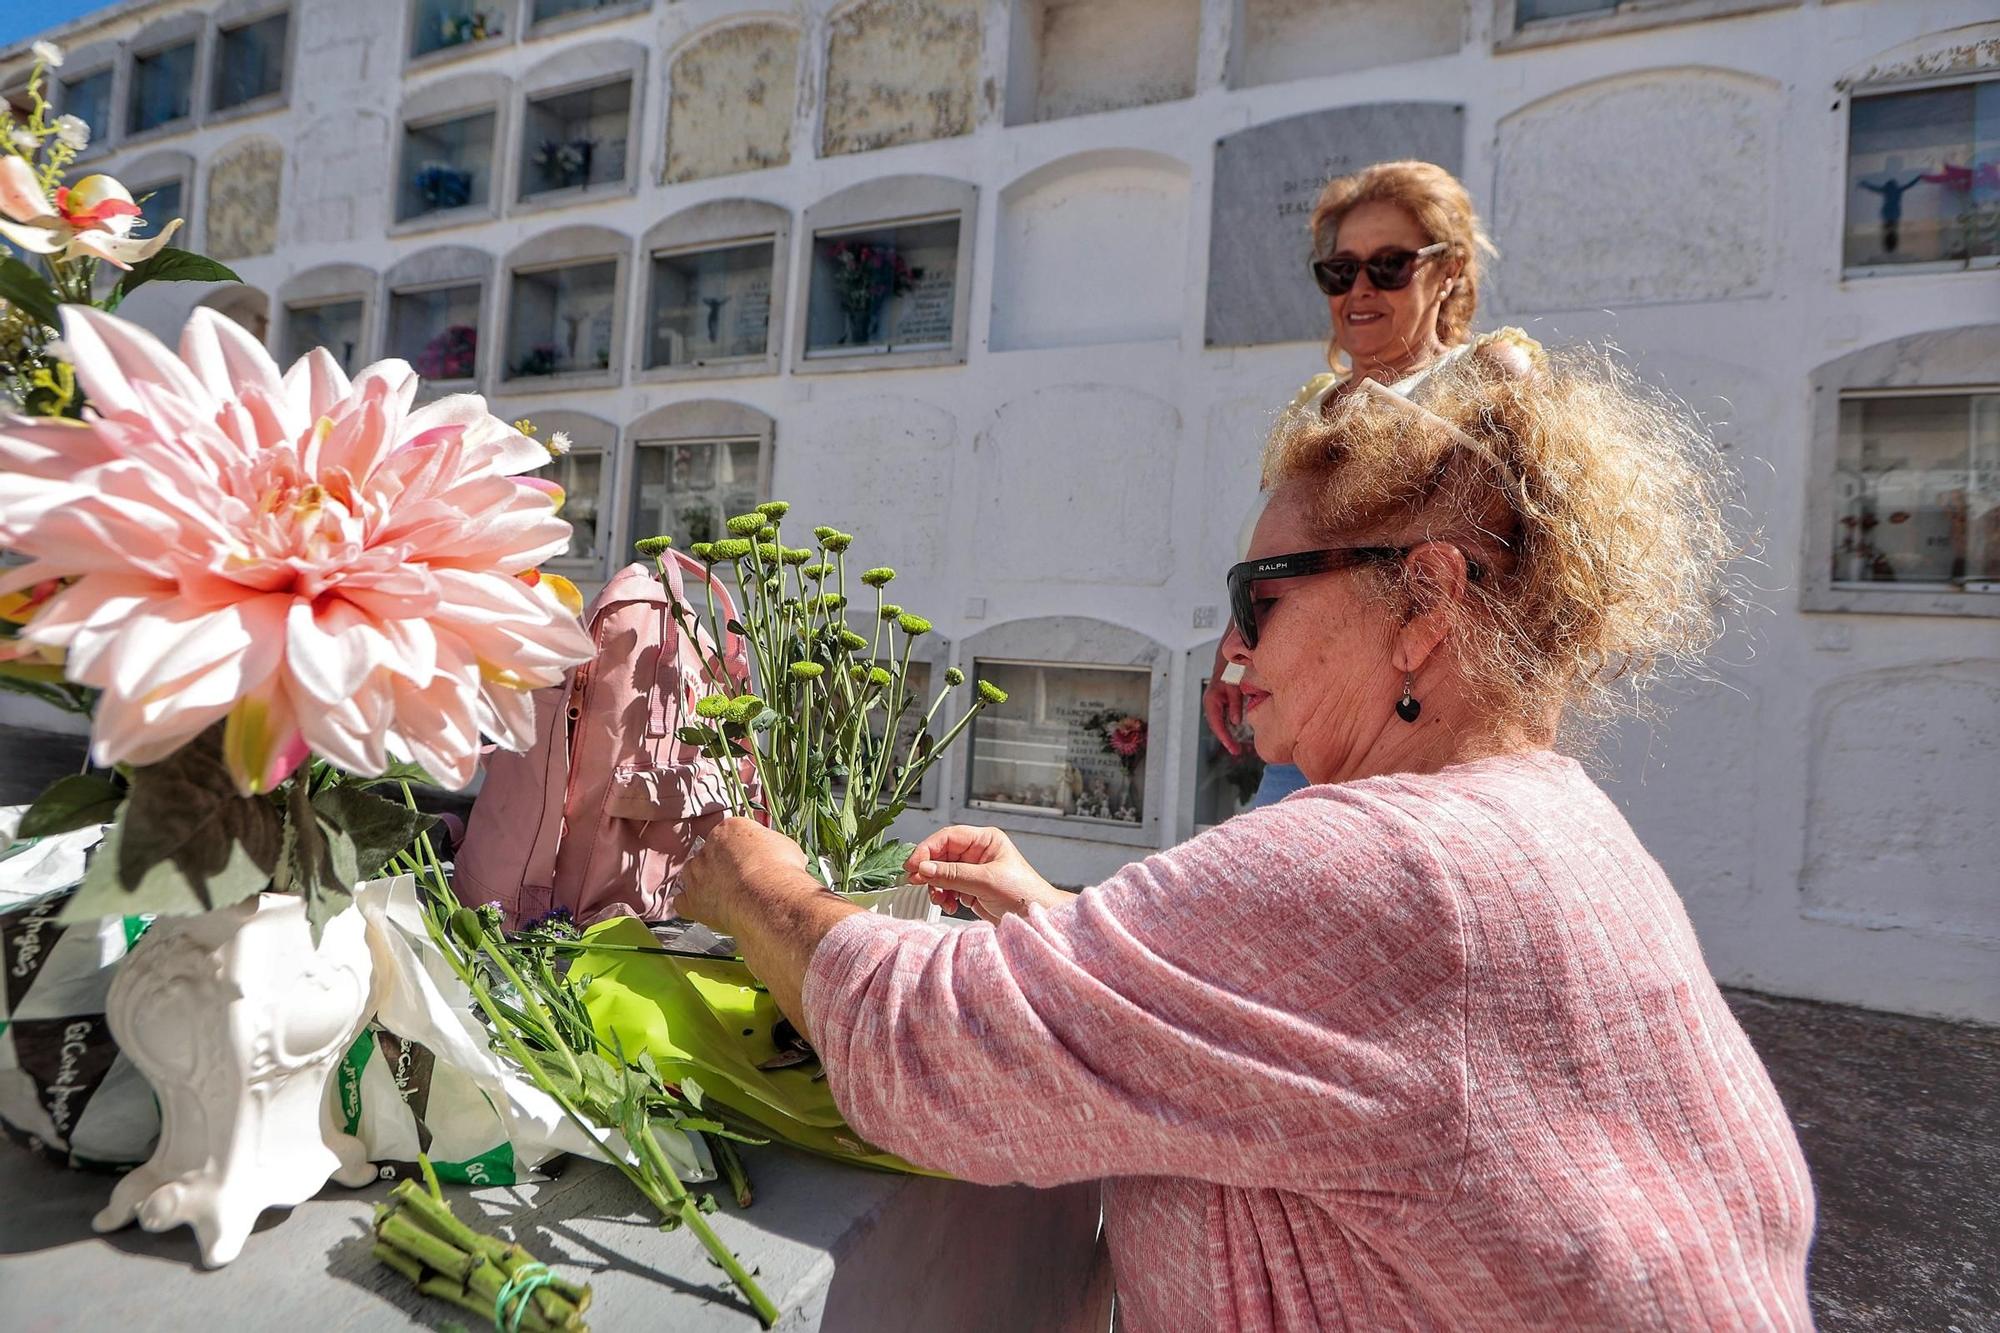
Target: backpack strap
[[666, 670], [538, 873]]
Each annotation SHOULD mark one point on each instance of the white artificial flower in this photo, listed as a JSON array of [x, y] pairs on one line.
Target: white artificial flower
[[558, 444], [48, 53], [73, 131], [25, 143]]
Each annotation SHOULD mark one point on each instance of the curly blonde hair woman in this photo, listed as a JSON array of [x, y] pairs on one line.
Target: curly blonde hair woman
[[1396, 250], [1428, 1044]]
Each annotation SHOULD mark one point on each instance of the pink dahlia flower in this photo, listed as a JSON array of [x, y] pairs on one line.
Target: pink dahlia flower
[[313, 561]]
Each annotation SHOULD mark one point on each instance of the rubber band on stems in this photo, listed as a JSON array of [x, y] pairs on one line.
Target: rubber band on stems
[[520, 1289]]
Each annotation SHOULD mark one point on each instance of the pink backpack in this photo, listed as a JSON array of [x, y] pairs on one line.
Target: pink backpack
[[599, 815]]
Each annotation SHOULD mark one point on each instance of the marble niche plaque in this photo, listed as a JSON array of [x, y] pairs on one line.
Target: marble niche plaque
[[1266, 178]]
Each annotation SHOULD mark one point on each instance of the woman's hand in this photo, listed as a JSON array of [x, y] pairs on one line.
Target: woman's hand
[[1222, 705], [982, 869], [737, 866]]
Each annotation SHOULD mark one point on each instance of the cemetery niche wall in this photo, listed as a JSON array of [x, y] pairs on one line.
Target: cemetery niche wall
[[1266, 179], [888, 274]]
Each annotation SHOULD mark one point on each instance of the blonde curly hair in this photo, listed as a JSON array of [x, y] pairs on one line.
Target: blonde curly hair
[[1594, 506]]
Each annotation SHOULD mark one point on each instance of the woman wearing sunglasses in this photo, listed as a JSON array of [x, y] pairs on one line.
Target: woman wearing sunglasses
[[1396, 250], [1429, 1045]]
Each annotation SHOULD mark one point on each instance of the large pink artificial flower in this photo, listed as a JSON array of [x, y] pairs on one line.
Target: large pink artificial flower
[[314, 561]]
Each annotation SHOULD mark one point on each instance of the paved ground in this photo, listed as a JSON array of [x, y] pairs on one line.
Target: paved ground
[[1899, 1118]]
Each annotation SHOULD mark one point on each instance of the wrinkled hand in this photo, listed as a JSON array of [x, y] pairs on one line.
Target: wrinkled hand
[[739, 863], [1222, 705], [981, 869]]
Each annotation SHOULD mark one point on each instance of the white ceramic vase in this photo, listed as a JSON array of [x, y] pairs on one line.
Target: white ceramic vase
[[237, 1020]]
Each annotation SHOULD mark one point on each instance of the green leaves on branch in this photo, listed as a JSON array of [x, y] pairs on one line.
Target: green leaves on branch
[[186, 841]]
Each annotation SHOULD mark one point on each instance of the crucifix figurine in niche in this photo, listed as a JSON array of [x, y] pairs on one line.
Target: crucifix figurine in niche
[[715, 304], [1892, 192]]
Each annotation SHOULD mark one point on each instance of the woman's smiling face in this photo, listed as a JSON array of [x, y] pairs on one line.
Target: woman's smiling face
[[1374, 327]]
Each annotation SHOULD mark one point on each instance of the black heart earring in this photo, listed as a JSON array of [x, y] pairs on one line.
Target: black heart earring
[[1406, 707]]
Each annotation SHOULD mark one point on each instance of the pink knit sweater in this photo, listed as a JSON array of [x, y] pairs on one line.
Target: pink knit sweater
[[1418, 1052]]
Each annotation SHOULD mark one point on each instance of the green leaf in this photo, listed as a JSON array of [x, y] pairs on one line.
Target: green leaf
[[185, 842], [877, 823], [23, 287], [364, 831], [396, 773], [765, 720], [694, 735], [56, 694], [173, 265], [881, 867], [77, 801]]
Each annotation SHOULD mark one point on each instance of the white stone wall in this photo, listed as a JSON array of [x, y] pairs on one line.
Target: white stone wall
[[1827, 806]]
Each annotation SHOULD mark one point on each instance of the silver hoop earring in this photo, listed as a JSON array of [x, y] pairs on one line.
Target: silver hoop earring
[[1406, 707]]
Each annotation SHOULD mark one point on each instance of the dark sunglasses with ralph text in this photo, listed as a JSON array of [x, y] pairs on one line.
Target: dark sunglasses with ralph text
[[1244, 577], [1390, 270]]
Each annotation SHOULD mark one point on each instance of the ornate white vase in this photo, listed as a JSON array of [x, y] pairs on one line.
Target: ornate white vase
[[237, 1020]]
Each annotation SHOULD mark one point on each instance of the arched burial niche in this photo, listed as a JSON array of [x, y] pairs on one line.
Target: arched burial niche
[[332, 306], [245, 184], [434, 315], [1278, 40], [888, 273], [1083, 244], [732, 92], [579, 125], [898, 72], [1079, 748], [565, 310], [694, 465], [448, 160], [1073, 57], [1641, 189], [714, 279]]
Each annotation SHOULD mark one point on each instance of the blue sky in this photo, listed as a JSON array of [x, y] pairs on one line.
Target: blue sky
[[25, 18]]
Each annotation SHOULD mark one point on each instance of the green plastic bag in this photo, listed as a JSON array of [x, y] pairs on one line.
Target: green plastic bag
[[706, 1019]]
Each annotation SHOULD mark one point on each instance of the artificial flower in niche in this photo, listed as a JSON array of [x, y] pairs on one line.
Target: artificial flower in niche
[[93, 217], [315, 562]]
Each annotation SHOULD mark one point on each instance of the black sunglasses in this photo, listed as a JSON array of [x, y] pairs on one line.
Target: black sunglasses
[[1244, 577], [1390, 270]]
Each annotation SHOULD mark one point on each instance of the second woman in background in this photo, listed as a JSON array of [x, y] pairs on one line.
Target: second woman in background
[[1396, 249]]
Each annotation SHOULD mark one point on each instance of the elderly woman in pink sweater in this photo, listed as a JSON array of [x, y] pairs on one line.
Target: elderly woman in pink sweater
[[1427, 1045]]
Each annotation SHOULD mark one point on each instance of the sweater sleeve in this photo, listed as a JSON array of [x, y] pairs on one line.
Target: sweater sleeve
[[1279, 1002]]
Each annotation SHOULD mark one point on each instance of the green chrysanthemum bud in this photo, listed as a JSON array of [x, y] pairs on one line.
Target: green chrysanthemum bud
[[712, 706], [732, 548], [830, 602], [652, 546], [774, 509], [890, 610], [913, 625], [837, 542], [851, 641], [704, 551], [807, 670], [879, 677], [953, 677], [794, 555], [767, 533], [743, 708], [773, 586], [745, 525], [857, 673], [823, 532], [769, 553], [877, 577], [991, 693], [815, 572]]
